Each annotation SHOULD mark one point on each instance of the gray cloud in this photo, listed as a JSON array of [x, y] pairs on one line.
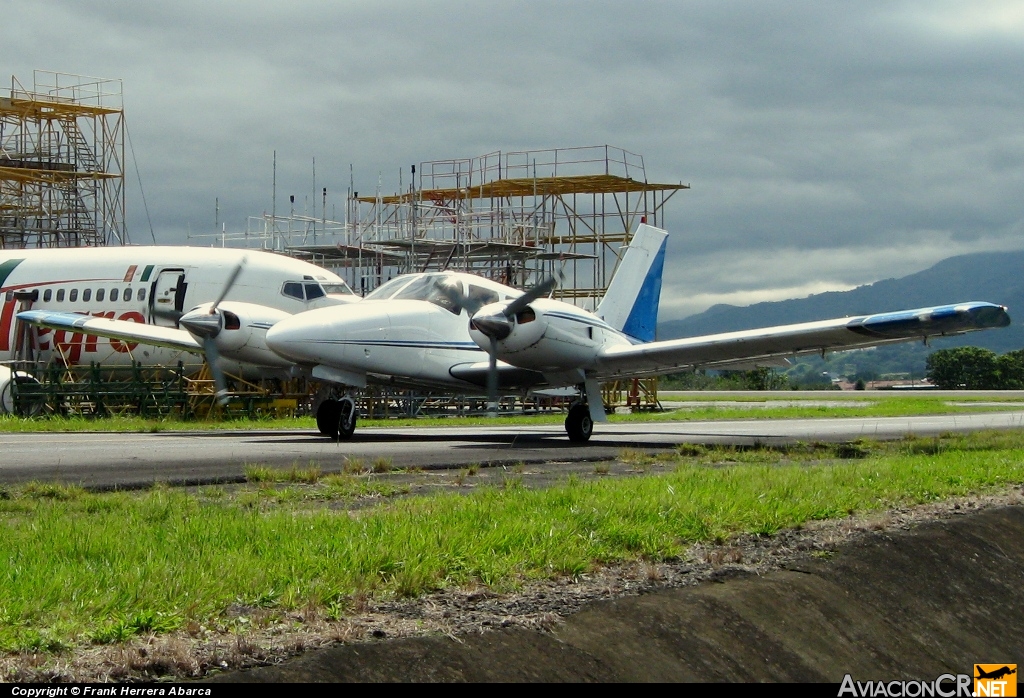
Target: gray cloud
[[828, 143]]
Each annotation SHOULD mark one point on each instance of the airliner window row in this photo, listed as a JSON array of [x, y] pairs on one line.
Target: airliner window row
[[101, 293]]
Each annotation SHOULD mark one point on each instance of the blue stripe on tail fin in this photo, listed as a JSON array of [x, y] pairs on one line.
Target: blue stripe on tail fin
[[631, 302], [643, 318]]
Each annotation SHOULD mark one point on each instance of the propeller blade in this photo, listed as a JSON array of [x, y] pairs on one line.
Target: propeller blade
[[453, 292], [167, 313], [540, 290], [227, 287], [213, 361], [492, 379]]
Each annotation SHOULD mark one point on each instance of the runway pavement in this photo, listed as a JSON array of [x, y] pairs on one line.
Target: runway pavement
[[136, 460]]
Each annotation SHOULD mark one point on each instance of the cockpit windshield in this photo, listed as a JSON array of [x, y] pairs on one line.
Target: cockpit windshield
[[443, 289], [388, 289]]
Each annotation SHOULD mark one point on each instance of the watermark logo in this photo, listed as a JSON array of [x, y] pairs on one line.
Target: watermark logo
[[995, 680]]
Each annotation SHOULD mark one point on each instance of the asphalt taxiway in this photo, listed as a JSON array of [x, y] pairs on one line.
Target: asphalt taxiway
[[107, 460]]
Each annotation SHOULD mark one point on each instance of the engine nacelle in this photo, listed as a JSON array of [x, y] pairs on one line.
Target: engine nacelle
[[544, 336], [241, 331], [7, 379]]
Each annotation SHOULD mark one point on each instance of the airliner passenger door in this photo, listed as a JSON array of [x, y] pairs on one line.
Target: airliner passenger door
[[167, 299]]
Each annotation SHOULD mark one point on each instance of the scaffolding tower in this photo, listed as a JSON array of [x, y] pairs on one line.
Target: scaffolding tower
[[61, 162], [511, 216]]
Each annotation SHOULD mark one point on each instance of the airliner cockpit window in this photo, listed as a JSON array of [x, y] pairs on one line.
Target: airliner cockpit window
[[293, 289], [337, 289], [313, 291]]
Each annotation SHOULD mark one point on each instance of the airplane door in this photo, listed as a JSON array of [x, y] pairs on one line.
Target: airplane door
[[167, 299]]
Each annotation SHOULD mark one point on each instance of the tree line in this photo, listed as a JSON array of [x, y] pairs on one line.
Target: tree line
[[974, 368]]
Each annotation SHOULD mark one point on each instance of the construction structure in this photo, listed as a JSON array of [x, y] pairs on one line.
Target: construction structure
[[509, 216], [62, 162]]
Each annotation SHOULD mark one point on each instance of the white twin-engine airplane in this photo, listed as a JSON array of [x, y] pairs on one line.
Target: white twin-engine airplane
[[465, 334], [459, 332], [141, 295]]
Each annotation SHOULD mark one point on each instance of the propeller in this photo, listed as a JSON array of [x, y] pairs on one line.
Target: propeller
[[207, 323], [496, 326], [167, 313]]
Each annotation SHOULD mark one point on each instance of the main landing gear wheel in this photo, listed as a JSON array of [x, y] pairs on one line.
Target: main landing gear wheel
[[337, 418], [578, 425]]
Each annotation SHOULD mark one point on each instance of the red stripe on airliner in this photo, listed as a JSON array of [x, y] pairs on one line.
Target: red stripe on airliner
[[5, 325]]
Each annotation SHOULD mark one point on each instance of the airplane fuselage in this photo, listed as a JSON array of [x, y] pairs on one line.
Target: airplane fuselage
[[417, 336]]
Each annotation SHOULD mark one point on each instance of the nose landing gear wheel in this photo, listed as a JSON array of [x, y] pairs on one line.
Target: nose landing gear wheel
[[578, 424], [346, 419], [337, 418]]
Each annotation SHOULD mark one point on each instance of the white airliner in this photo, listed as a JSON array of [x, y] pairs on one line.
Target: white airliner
[[465, 334], [459, 332], [140, 295]]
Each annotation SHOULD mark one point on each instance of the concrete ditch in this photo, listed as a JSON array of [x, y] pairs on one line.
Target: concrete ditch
[[898, 604]]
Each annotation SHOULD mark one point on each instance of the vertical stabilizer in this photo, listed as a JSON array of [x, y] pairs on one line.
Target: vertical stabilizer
[[631, 303]]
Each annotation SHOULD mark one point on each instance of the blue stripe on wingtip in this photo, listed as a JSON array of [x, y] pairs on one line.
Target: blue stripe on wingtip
[[946, 319], [643, 318]]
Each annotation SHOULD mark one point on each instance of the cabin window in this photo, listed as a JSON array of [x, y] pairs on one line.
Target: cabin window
[[128, 294], [314, 291], [113, 295], [60, 295], [87, 295], [73, 296], [100, 292], [142, 294], [293, 289], [47, 295]]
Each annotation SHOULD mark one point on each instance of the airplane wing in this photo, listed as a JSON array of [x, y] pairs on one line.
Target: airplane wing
[[764, 347], [123, 330]]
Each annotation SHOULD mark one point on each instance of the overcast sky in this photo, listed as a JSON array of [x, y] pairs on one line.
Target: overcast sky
[[828, 144]]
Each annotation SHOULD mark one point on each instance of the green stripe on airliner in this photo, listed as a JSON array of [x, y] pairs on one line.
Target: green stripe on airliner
[[146, 272], [6, 268]]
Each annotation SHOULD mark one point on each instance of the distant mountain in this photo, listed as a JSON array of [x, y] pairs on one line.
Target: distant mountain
[[997, 277]]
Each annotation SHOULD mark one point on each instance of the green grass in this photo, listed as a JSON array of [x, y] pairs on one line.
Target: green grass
[[879, 407], [79, 567]]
